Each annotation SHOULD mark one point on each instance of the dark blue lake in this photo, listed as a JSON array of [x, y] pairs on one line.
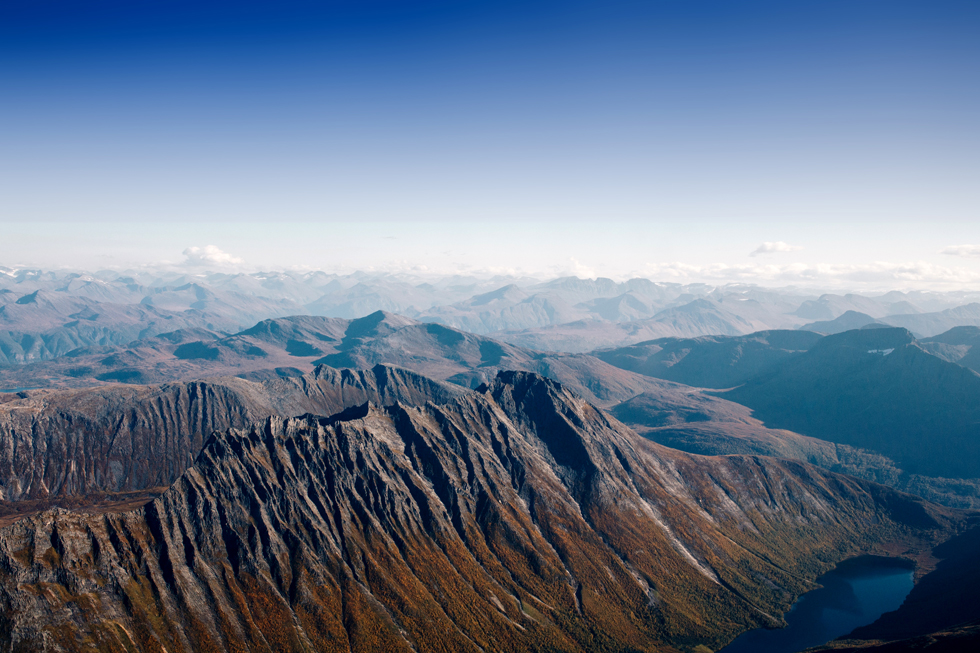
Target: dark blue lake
[[854, 594]]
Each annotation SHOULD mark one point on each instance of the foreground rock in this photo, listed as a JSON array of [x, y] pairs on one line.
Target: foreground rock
[[122, 439], [517, 518]]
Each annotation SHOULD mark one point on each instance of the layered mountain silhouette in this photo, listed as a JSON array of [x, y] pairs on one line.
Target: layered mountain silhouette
[[517, 517], [717, 315], [294, 345], [45, 314], [932, 324], [43, 325], [929, 325]]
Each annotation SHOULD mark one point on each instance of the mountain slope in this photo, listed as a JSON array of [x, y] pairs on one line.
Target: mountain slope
[[710, 361], [519, 518], [876, 389], [59, 445], [958, 345], [845, 322], [931, 324]]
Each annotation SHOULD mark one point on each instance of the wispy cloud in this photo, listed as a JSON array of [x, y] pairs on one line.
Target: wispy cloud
[[966, 251], [772, 248], [209, 255], [879, 274]]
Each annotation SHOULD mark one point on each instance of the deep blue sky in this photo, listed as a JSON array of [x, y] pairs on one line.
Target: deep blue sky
[[692, 131]]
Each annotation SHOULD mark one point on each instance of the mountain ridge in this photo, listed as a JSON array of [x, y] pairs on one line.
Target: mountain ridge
[[519, 517]]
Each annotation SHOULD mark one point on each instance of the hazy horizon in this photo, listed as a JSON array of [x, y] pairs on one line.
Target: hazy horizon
[[831, 144]]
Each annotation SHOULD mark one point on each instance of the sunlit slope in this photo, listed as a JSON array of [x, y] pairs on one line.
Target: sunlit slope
[[516, 518]]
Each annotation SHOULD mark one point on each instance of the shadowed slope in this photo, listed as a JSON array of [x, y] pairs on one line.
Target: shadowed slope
[[876, 389], [710, 361], [958, 345]]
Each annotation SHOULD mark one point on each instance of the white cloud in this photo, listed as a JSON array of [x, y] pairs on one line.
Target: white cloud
[[209, 255], [582, 271], [879, 274], [771, 248], [962, 250]]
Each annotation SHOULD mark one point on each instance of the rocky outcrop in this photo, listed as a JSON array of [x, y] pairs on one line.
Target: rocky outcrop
[[124, 438], [517, 518]]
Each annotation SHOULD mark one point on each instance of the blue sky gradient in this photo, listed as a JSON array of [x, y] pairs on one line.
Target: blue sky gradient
[[847, 129]]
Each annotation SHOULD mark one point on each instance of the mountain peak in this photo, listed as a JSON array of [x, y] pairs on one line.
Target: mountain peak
[[510, 293], [869, 339]]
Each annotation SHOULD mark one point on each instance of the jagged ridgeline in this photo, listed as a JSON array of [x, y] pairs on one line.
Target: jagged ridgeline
[[119, 439], [514, 518]]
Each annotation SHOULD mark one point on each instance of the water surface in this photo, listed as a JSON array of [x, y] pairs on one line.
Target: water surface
[[854, 594]]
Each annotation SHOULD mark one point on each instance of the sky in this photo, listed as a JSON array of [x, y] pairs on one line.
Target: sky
[[832, 142]]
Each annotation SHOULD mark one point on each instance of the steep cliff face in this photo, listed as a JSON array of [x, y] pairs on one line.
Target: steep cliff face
[[126, 438], [517, 518]]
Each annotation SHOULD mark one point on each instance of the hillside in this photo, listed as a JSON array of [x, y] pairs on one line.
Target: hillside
[[710, 361], [518, 517], [105, 444], [295, 345], [958, 345], [876, 389]]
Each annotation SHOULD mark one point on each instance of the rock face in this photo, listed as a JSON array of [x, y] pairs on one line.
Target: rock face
[[125, 438], [516, 518]]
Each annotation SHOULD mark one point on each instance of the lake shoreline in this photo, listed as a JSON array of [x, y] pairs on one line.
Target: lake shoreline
[[852, 595]]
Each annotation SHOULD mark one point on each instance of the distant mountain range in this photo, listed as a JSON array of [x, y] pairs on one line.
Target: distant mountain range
[[45, 314], [710, 361], [292, 346], [925, 324]]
